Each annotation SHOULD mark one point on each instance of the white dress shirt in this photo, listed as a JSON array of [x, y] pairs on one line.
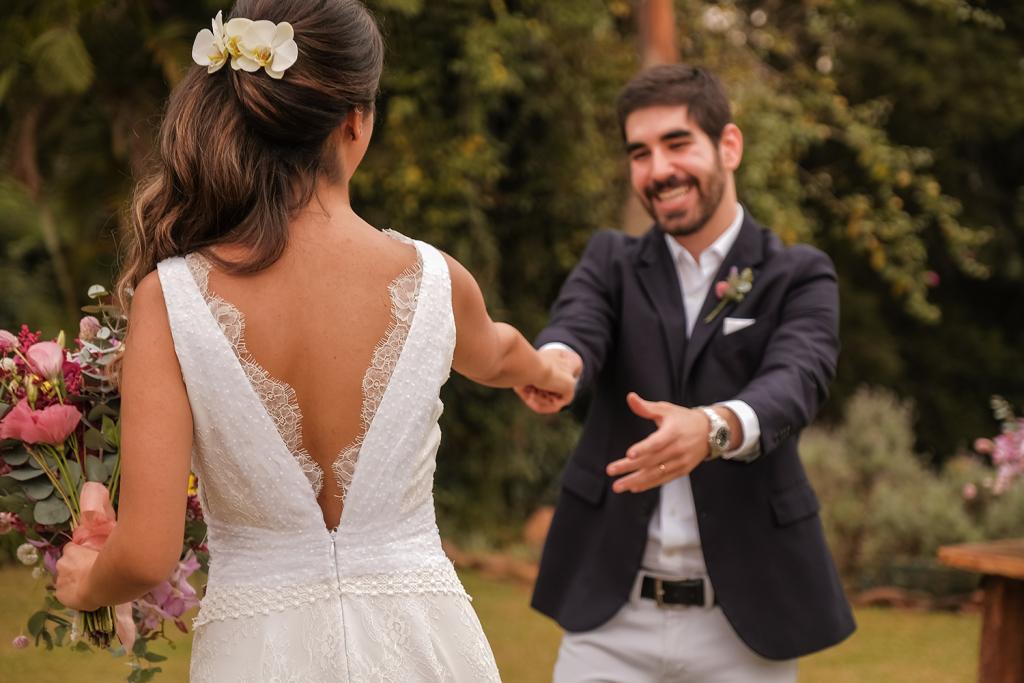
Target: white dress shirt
[[673, 539]]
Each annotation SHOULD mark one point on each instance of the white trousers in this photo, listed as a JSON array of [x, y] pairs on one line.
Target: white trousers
[[644, 643]]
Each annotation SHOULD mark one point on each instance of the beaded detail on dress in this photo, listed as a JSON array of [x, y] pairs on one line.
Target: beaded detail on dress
[[280, 399]]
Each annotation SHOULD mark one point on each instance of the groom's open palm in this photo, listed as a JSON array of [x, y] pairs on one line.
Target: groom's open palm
[[679, 445]]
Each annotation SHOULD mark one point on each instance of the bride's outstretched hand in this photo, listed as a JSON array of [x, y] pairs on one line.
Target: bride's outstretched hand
[[557, 390]]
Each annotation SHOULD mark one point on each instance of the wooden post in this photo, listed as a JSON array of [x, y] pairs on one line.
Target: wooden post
[[1002, 632]]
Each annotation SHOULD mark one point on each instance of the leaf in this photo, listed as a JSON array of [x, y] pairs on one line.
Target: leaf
[[101, 409], [91, 309], [53, 603], [25, 474], [154, 657], [28, 513], [59, 634], [97, 291], [51, 511], [7, 443], [9, 485], [75, 473], [112, 431], [95, 470], [139, 648], [36, 623], [48, 638], [62, 63], [82, 646], [110, 462], [147, 674], [38, 489], [13, 502], [119, 652], [6, 79], [15, 458], [59, 620], [94, 440]]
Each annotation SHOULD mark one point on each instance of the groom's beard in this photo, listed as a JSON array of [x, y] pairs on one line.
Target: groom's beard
[[687, 222]]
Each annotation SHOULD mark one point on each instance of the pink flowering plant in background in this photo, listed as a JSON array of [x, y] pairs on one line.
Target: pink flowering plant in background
[[60, 466], [1007, 449]]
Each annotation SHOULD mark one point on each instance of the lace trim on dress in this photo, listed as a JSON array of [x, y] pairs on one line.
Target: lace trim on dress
[[232, 602], [279, 398]]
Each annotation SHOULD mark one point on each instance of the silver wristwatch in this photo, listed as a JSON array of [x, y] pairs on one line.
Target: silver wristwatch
[[720, 435]]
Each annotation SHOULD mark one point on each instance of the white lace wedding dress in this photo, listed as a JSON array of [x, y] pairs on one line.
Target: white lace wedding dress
[[289, 600]]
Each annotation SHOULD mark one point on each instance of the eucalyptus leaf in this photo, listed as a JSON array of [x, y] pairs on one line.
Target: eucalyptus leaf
[[59, 633], [139, 649], [51, 511], [110, 462], [38, 489], [9, 485], [27, 513], [112, 431], [101, 409], [94, 440], [95, 470], [36, 623], [81, 646], [15, 458], [48, 638], [119, 652], [90, 309], [8, 443], [13, 502], [25, 474], [154, 657]]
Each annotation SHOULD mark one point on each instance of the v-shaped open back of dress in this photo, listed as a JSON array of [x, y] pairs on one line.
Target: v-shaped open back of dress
[[288, 600]]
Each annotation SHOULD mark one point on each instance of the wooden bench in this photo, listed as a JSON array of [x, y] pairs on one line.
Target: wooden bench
[[1002, 627]]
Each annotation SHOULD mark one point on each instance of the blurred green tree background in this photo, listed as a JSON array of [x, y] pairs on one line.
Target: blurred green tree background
[[888, 132]]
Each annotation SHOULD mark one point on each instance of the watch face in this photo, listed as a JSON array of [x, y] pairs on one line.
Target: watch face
[[722, 437]]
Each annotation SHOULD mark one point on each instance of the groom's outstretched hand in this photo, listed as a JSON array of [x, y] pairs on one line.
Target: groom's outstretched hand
[[679, 444], [544, 402]]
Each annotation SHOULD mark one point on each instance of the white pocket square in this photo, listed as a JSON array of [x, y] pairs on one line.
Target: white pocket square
[[730, 325]]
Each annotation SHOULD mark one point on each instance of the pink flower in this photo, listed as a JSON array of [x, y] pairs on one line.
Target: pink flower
[[984, 446], [21, 642], [931, 278], [970, 491], [7, 340], [8, 520], [721, 288], [88, 328], [47, 358], [51, 425]]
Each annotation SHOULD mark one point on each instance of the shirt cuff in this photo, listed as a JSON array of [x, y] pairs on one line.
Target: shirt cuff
[[750, 449], [576, 392]]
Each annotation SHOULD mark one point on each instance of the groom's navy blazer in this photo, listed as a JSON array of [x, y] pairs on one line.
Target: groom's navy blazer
[[763, 543]]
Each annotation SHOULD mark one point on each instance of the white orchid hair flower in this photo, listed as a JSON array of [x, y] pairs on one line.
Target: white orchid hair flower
[[268, 45], [208, 49], [250, 45]]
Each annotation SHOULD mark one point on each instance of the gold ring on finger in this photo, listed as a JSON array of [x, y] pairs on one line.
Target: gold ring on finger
[[662, 466]]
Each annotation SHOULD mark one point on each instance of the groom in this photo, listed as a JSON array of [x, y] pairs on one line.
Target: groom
[[686, 544]]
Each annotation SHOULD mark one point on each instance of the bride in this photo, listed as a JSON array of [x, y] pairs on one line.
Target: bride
[[291, 355]]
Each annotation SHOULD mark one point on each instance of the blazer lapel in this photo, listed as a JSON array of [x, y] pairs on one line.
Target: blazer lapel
[[746, 252], [658, 277]]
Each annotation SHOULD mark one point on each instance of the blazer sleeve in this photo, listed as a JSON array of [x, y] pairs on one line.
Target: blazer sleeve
[[800, 357], [585, 313]]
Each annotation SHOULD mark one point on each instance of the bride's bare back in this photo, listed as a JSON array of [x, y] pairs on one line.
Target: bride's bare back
[[313, 321]]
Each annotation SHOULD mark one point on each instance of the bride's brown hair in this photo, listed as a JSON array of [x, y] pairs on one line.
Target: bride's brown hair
[[240, 152]]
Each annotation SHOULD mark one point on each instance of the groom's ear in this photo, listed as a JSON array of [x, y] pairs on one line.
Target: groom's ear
[[730, 147]]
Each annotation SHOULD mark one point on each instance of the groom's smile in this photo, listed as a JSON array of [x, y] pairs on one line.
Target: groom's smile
[[676, 169]]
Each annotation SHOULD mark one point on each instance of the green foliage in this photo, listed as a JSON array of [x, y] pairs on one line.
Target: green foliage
[[886, 512]]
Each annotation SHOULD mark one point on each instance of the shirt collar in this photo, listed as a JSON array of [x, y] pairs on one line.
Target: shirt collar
[[718, 249]]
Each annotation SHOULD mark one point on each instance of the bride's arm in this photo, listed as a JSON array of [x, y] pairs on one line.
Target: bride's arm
[[496, 354], [156, 446]]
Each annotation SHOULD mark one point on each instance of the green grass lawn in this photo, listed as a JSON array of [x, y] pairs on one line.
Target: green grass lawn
[[889, 647]]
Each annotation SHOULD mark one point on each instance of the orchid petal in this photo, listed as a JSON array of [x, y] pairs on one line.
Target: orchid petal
[[218, 25], [258, 34], [273, 74], [237, 26], [282, 34], [216, 66], [201, 47], [284, 56], [245, 63]]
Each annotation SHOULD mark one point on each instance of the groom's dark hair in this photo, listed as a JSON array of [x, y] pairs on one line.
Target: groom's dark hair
[[672, 85]]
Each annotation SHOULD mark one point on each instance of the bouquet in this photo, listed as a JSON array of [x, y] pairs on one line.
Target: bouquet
[[60, 465], [1007, 449]]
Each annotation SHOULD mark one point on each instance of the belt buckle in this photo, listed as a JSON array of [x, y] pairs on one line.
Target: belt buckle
[[659, 596]]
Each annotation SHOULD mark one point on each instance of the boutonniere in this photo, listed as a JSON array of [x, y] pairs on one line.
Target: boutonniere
[[733, 288]]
